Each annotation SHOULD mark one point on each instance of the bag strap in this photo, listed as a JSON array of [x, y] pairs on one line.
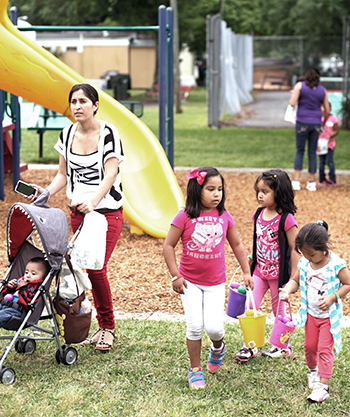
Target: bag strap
[[70, 266], [73, 239]]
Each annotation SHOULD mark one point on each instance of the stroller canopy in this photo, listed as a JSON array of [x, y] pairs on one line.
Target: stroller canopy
[[50, 223]]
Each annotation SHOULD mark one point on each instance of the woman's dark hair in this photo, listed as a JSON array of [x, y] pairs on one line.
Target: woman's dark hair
[[281, 185], [194, 192], [313, 235], [90, 92], [312, 77]]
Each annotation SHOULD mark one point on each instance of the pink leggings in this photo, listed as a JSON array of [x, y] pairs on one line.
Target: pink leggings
[[261, 286], [318, 345], [101, 290]]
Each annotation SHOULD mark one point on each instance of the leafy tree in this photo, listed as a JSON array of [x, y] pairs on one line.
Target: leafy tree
[[302, 17], [259, 17], [242, 16], [62, 12], [135, 12]]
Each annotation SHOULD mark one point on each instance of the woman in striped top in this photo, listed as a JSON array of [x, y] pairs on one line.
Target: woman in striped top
[[90, 154]]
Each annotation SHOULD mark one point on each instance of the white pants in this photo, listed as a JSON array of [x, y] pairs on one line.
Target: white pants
[[204, 309]]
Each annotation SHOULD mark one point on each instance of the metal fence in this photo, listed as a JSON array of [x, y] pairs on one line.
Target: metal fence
[[287, 58], [278, 63]]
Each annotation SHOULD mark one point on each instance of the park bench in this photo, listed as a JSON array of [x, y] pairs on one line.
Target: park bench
[[43, 119], [135, 107]]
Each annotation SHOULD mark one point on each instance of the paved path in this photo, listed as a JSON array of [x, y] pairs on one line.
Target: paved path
[[268, 110]]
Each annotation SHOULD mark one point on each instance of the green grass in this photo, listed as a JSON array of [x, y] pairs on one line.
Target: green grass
[[196, 144], [146, 375]]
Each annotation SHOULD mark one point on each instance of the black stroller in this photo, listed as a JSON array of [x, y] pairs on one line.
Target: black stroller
[[35, 230]]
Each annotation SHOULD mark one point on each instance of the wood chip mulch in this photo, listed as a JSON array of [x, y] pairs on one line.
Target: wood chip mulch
[[137, 272]]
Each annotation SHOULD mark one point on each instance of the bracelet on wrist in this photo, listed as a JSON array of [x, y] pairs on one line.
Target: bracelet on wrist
[[337, 296], [175, 278]]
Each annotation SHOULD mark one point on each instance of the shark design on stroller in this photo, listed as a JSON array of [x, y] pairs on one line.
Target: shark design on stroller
[[35, 230]]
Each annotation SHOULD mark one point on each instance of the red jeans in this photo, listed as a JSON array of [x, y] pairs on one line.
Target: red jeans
[[319, 345], [101, 289]]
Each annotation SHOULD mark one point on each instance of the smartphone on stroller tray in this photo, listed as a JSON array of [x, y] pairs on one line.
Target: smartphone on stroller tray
[[25, 189]]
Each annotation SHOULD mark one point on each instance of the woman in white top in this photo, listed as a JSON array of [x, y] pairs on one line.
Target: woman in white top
[[90, 155]]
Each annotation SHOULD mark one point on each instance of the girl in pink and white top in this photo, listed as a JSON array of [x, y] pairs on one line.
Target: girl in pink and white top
[[203, 226], [330, 131], [274, 259]]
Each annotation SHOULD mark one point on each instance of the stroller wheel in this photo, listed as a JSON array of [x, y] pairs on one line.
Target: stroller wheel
[[7, 376], [70, 355], [29, 346], [19, 346], [58, 356], [25, 346]]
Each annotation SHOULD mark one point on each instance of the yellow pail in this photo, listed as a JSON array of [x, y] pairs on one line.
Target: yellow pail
[[253, 329]]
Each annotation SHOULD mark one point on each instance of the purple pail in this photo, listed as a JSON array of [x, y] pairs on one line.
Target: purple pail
[[236, 301]]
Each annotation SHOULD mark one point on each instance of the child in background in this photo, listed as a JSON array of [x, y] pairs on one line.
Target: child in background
[[274, 259], [331, 129], [203, 227], [18, 293], [323, 279]]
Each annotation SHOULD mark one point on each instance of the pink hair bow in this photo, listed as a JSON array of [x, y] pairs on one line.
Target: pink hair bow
[[199, 175]]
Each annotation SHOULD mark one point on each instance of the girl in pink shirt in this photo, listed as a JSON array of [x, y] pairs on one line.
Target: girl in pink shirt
[[330, 130], [274, 259], [203, 226]]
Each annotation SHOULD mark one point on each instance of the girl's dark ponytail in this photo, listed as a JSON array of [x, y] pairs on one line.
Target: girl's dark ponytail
[[323, 223]]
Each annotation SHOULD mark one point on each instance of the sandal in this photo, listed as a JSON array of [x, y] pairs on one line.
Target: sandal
[[103, 346], [90, 340]]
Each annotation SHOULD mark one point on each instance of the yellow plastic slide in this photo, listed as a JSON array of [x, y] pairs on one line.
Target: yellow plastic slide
[[152, 195]]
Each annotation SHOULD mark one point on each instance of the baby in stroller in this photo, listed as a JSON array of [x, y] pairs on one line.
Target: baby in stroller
[[18, 293], [34, 230]]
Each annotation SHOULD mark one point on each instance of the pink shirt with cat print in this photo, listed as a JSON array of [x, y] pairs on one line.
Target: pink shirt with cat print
[[203, 246]]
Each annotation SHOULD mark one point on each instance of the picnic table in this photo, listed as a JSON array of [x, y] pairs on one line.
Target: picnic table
[[43, 119]]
